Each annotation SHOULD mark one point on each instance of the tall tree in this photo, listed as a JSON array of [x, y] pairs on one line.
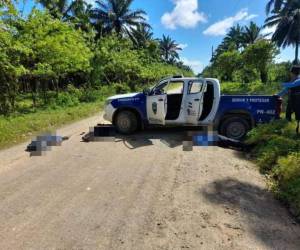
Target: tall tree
[[274, 6], [259, 56], [251, 34], [116, 15], [57, 8], [141, 35], [286, 18], [235, 36], [169, 49], [80, 13]]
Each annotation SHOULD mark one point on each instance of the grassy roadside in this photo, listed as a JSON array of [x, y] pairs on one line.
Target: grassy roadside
[[19, 128], [277, 154]]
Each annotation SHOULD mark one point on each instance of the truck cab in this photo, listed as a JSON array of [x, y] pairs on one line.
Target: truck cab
[[183, 101]]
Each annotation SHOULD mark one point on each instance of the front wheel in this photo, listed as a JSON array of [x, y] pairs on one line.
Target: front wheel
[[126, 122], [235, 128]]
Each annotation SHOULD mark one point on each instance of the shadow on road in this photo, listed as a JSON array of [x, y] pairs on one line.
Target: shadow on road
[[263, 215], [171, 137]]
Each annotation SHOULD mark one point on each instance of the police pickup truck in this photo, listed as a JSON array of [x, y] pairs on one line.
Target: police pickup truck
[[182, 101]]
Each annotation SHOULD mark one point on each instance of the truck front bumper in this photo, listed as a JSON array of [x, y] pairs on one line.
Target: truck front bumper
[[109, 112]]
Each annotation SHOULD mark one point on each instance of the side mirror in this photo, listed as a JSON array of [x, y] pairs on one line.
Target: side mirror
[[146, 91]]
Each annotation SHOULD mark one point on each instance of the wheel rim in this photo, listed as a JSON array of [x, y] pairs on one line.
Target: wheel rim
[[236, 130], [124, 123]]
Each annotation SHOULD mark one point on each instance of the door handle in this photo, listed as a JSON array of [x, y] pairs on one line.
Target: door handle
[[196, 100], [160, 100]]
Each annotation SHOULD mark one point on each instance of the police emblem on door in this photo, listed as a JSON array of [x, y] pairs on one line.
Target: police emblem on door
[[154, 107]]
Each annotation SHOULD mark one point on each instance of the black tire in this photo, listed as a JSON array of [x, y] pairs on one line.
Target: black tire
[[126, 122], [235, 127]]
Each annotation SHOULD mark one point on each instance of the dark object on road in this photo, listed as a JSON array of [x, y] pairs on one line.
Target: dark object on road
[[102, 132], [226, 142]]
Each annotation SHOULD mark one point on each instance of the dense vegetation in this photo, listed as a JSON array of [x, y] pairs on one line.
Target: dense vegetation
[[70, 45], [246, 56]]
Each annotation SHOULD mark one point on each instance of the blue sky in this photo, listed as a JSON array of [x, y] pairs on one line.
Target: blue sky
[[199, 25]]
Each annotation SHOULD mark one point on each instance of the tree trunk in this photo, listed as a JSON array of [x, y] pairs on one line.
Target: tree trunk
[[296, 54], [44, 87], [56, 87], [33, 92], [264, 75]]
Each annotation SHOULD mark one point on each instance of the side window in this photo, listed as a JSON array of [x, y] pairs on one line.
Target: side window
[[174, 87], [195, 87]]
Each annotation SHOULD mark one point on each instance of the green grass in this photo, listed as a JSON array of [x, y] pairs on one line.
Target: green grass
[[20, 127]]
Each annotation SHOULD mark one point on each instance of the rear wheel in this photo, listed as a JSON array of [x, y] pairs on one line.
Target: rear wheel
[[235, 127], [126, 122]]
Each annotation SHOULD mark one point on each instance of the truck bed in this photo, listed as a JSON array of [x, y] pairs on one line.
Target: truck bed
[[262, 108]]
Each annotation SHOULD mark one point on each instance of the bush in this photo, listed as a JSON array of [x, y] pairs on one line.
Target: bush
[[75, 92], [116, 61], [121, 88], [250, 88], [89, 95], [287, 175], [264, 132], [66, 100], [272, 149]]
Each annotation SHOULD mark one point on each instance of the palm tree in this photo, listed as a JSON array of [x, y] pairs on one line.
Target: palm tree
[[181, 65], [287, 22], [274, 6], [235, 36], [141, 35], [80, 14], [251, 34], [169, 48], [57, 8], [115, 15]]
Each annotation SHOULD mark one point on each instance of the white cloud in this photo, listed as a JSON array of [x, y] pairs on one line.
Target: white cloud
[[220, 28], [250, 17], [183, 45], [196, 65], [185, 14]]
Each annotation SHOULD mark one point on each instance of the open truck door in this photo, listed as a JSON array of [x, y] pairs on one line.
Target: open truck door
[[157, 105], [194, 101]]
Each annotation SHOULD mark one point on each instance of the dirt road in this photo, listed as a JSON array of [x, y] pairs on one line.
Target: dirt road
[[137, 193]]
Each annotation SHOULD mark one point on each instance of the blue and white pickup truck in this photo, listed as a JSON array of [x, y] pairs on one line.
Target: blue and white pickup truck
[[182, 101]]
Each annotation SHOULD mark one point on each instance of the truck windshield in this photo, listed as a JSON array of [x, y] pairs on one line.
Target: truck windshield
[[159, 86]]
